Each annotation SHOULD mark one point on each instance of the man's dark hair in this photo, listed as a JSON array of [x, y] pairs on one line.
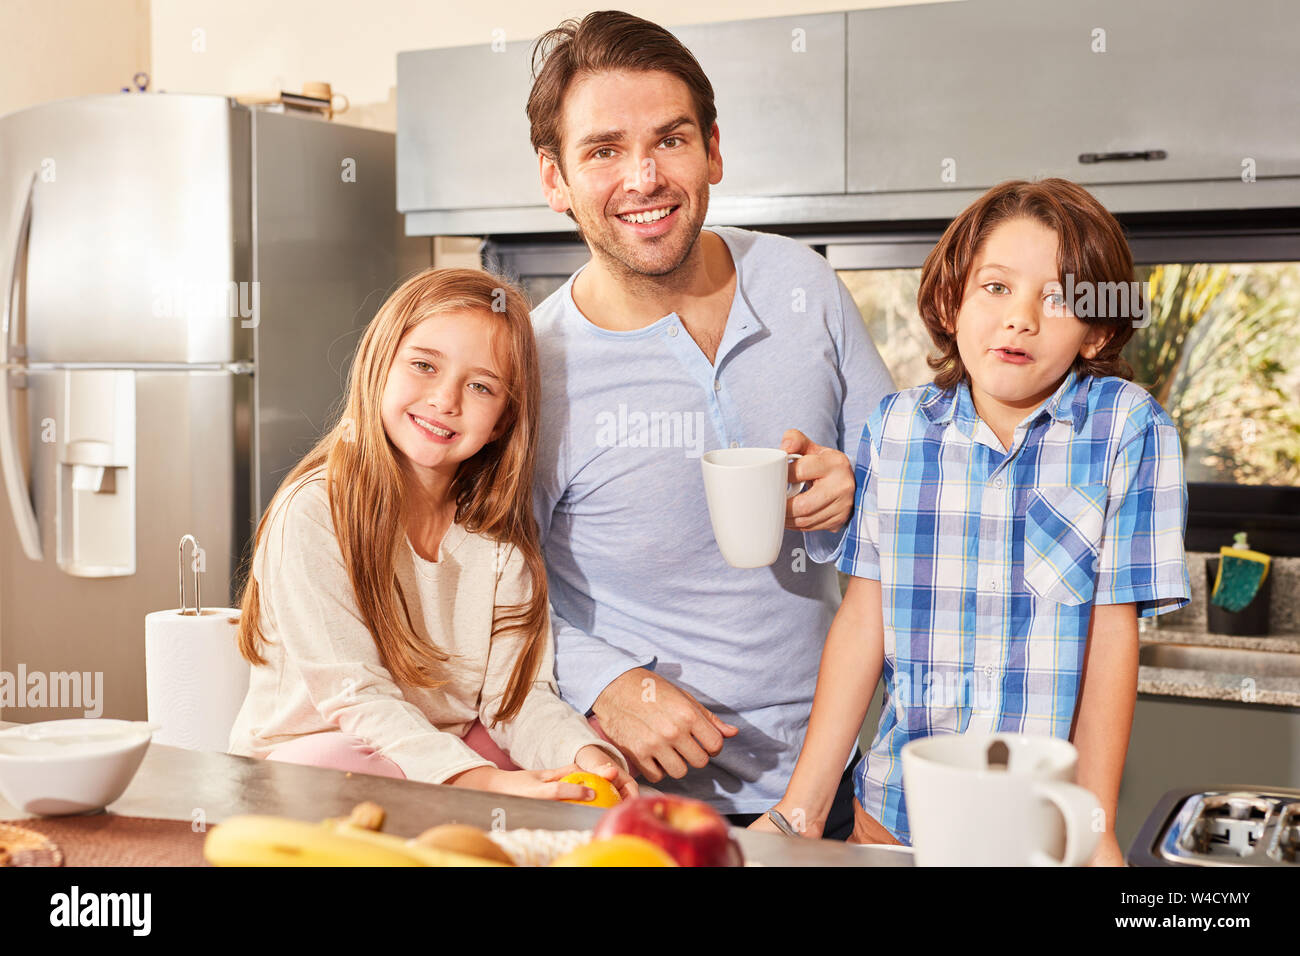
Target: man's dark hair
[[602, 42]]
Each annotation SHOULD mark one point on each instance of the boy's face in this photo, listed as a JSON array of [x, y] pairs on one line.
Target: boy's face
[[1015, 334], [631, 143], [446, 376]]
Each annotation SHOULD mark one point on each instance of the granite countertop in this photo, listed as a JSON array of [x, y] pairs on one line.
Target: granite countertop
[[1212, 685], [1188, 627]]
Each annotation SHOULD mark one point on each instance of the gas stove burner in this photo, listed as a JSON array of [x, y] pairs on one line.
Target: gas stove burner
[[1230, 826]]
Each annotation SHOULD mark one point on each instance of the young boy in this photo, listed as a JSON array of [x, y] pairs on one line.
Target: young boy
[[1012, 520]]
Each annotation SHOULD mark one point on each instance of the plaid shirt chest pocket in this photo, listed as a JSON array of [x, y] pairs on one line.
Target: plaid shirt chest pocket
[[1063, 531]]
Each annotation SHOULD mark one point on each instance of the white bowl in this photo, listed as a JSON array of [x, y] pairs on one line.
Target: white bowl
[[70, 766]]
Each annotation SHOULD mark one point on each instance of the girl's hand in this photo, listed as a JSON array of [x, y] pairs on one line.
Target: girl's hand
[[594, 760], [538, 784]]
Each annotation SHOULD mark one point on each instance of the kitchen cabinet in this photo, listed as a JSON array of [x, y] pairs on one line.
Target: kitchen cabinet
[[966, 95], [462, 133], [907, 113], [778, 84], [463, 136]]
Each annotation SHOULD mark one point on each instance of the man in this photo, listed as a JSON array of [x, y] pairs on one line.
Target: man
[[672, 341]]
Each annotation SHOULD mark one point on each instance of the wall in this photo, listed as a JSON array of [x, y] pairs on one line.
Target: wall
[[55, 49], [233, 46]]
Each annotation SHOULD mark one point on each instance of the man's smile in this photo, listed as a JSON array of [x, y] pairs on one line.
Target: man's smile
[[649, 223], [647, 215]]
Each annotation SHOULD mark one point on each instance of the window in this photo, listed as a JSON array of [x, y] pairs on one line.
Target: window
[[1220, 352]]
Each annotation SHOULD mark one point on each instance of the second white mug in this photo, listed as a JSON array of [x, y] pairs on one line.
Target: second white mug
[[998, 799], [746, 490]]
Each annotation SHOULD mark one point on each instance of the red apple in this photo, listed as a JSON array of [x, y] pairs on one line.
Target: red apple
[[690, 831]]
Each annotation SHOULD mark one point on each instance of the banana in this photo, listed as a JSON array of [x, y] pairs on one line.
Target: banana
[[430, 856], [254, 840]]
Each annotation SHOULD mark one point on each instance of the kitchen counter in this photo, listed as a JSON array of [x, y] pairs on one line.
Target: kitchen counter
[[1214, 685], [176, 784]]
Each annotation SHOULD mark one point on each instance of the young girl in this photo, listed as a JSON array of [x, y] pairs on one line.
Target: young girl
[[1012, 521], [398, 603]]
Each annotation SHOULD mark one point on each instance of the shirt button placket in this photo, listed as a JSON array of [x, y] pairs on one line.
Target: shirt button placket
[[990, 605]]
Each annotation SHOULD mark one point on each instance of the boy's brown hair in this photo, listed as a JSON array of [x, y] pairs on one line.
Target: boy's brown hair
[[602, 42], [1092, 249]]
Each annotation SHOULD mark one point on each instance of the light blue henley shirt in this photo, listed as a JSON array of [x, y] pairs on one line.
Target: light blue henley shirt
[[635, 576]]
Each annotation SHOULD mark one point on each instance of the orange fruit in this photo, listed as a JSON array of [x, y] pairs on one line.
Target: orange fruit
[[621, 850], [606, 795]]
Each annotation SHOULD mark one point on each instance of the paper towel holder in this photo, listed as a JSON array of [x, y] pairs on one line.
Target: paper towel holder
[[180, 568]]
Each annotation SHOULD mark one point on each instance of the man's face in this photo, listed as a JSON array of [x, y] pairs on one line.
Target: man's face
[[637, 169]]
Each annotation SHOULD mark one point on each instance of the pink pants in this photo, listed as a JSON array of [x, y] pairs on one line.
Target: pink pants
[[336, 750]]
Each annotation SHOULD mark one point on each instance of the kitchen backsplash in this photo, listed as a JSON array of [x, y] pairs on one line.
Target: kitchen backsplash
[[1284, 611]]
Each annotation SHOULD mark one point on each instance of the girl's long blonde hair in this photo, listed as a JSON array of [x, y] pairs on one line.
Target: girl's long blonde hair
[[367, 491]]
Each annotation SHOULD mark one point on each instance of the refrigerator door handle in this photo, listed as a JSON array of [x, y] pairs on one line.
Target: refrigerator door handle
[[20, 501]]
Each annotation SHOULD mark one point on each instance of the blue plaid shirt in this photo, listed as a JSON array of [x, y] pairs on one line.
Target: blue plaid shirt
[[990, 561]]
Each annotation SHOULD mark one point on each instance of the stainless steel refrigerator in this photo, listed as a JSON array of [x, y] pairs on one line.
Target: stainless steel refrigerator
[[185, 281]]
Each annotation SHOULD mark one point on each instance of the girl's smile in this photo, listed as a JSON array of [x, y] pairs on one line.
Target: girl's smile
[[433, 429], [445, 394]]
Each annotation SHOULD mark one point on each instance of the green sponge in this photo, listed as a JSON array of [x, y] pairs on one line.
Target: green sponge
[[1241, 573]]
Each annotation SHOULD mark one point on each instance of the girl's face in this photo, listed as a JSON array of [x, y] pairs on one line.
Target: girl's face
[[1015, 333], [445, 392]]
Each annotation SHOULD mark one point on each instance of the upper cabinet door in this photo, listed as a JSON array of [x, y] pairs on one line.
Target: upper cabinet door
[[778, 85], [966, 95], [462, 129], [463, 137]]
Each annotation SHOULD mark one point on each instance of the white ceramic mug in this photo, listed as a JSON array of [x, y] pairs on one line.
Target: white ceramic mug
[[746, 489], [964, 810]]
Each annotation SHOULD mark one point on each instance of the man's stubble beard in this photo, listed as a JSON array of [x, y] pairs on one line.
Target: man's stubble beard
[[640, 279]]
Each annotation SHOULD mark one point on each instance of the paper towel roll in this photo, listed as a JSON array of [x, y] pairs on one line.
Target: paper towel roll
[[195, 677]]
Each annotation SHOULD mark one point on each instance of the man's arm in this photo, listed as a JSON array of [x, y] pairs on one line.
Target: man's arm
[[864, 381], [1105, 717], [658, 727], [584, 664]]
